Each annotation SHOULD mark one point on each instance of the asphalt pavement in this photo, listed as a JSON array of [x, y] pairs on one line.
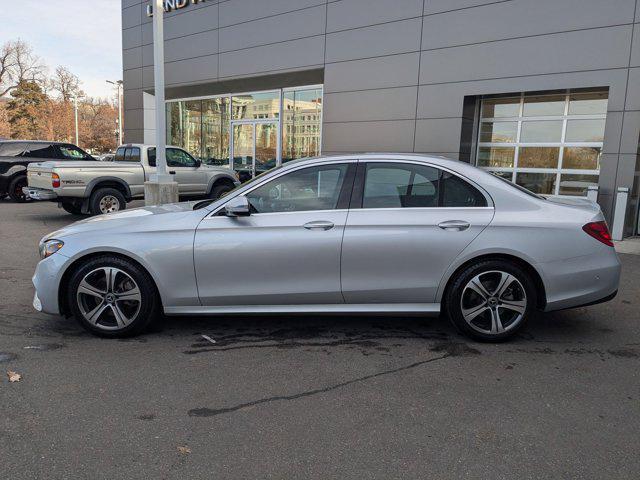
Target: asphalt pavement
[[312, 397]]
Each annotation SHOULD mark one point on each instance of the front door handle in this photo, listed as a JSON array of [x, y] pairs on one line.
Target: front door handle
[[458, 225], [172, 172], [319, 225]]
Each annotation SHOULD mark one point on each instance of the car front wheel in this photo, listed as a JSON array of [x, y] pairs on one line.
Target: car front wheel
[[112, 297], [491, 300]]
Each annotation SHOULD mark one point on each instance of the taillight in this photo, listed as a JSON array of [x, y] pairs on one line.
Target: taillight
[[55, 180], [599, 231]]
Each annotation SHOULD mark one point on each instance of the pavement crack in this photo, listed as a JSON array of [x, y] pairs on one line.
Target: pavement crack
[[210, 412]]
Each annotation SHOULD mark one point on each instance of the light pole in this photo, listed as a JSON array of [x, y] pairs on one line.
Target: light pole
[[75, 109], [160, 188], [118, 84]]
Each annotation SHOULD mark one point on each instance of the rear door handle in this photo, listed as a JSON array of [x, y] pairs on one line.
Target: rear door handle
[[458, 225], [319, 225]]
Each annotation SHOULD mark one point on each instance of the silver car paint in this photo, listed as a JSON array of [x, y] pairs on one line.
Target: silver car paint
[[574, 268]]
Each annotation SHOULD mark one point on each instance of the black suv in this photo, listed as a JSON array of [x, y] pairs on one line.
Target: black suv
[[15, 155]]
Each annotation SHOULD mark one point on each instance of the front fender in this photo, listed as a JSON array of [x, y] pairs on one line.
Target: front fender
[[219, 176]]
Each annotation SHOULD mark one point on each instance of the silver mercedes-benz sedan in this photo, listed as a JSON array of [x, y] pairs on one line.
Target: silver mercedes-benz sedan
[[395, 233]]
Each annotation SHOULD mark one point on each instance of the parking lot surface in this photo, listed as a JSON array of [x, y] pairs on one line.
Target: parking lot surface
[[309, 396]]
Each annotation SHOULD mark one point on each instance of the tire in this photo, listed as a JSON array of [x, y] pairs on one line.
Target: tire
[[15, 189], [72, 208], [491, 301], [101, 310], [219, 190], [106, 200]]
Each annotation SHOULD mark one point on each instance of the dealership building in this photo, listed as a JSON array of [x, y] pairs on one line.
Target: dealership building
[[545, 93]]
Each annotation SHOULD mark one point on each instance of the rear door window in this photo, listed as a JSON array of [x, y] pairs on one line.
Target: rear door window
[[40, 150], [12, 149]]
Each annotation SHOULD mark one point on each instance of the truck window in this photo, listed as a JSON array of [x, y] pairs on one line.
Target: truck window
[[71, 152], [132, 154], [119, 157], [40, 150], [151, 156], [12, 149]]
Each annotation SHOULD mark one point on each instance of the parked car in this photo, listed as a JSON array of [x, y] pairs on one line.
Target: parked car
[[15, 155], [351, 234], [106, 187]]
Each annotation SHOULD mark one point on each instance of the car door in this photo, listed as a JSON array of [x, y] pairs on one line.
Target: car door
[[407, 224], [287, 251], [191, 179]]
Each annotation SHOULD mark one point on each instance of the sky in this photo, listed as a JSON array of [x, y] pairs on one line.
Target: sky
[[83, 35]]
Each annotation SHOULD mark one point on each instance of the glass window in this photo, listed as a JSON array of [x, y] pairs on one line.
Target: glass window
[[246, 107], [120, 153], [585, 131], [501, 107], [184, 125], [458, 193], [542, 183], [313, 188], [301, 112], [132, 154], [541, 131], [576, 185], [73, 153], [496, 156], [543, 105], [592, 103], [215, 131], [498, 132], [538, 157], [583, 158], [179, 158], [40, 150], [12, 149], [391, 185]]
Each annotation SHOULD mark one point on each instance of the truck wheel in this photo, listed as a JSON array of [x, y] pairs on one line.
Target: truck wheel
[[219, 190], [107, 200], [15, 189], [72, 208]]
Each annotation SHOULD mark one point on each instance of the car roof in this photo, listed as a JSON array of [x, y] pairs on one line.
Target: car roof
[[33, 141]]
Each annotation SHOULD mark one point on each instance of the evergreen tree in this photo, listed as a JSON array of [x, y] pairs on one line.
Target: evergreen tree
[[25, 111]]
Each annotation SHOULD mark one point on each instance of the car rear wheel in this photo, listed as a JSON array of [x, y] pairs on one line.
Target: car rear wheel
[[72, 207], [15, 190], [113, 297], [107, 200], [491, 300]]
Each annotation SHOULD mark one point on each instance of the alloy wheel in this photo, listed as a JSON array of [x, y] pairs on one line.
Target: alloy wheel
[[109, 204], [493, 302], [109, 298]]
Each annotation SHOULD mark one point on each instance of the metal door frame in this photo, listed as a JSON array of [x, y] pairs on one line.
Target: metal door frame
[[253, 123]]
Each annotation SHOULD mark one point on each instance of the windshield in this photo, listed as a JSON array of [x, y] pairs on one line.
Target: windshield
[[206, 203], [518, 187]]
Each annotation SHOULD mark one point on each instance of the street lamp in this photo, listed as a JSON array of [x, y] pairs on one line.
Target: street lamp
[[118, 85]]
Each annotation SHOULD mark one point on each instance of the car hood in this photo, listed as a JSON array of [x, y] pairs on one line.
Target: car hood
[[136, 219]]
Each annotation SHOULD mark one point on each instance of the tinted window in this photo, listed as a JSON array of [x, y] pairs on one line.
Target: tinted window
[[71, 152], [132, 154], [120, 152], [402, 185], [151, 157], [12, 149], [389, 185], [313, 188], [40, 150], [458, 193], [179, 158]]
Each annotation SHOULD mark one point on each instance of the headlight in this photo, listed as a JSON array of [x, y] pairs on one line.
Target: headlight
[[49, 247]]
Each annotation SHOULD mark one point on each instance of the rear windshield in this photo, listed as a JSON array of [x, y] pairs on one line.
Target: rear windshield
[[127, 154]]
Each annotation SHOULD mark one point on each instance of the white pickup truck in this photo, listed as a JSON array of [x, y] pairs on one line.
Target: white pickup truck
[[94, 187]]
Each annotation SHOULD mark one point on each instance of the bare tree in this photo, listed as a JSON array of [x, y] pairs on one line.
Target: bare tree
[[18, 63], [66, 84]]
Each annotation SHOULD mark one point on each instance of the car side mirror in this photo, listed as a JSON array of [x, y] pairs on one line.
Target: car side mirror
[[237, 207], [198, 163]]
